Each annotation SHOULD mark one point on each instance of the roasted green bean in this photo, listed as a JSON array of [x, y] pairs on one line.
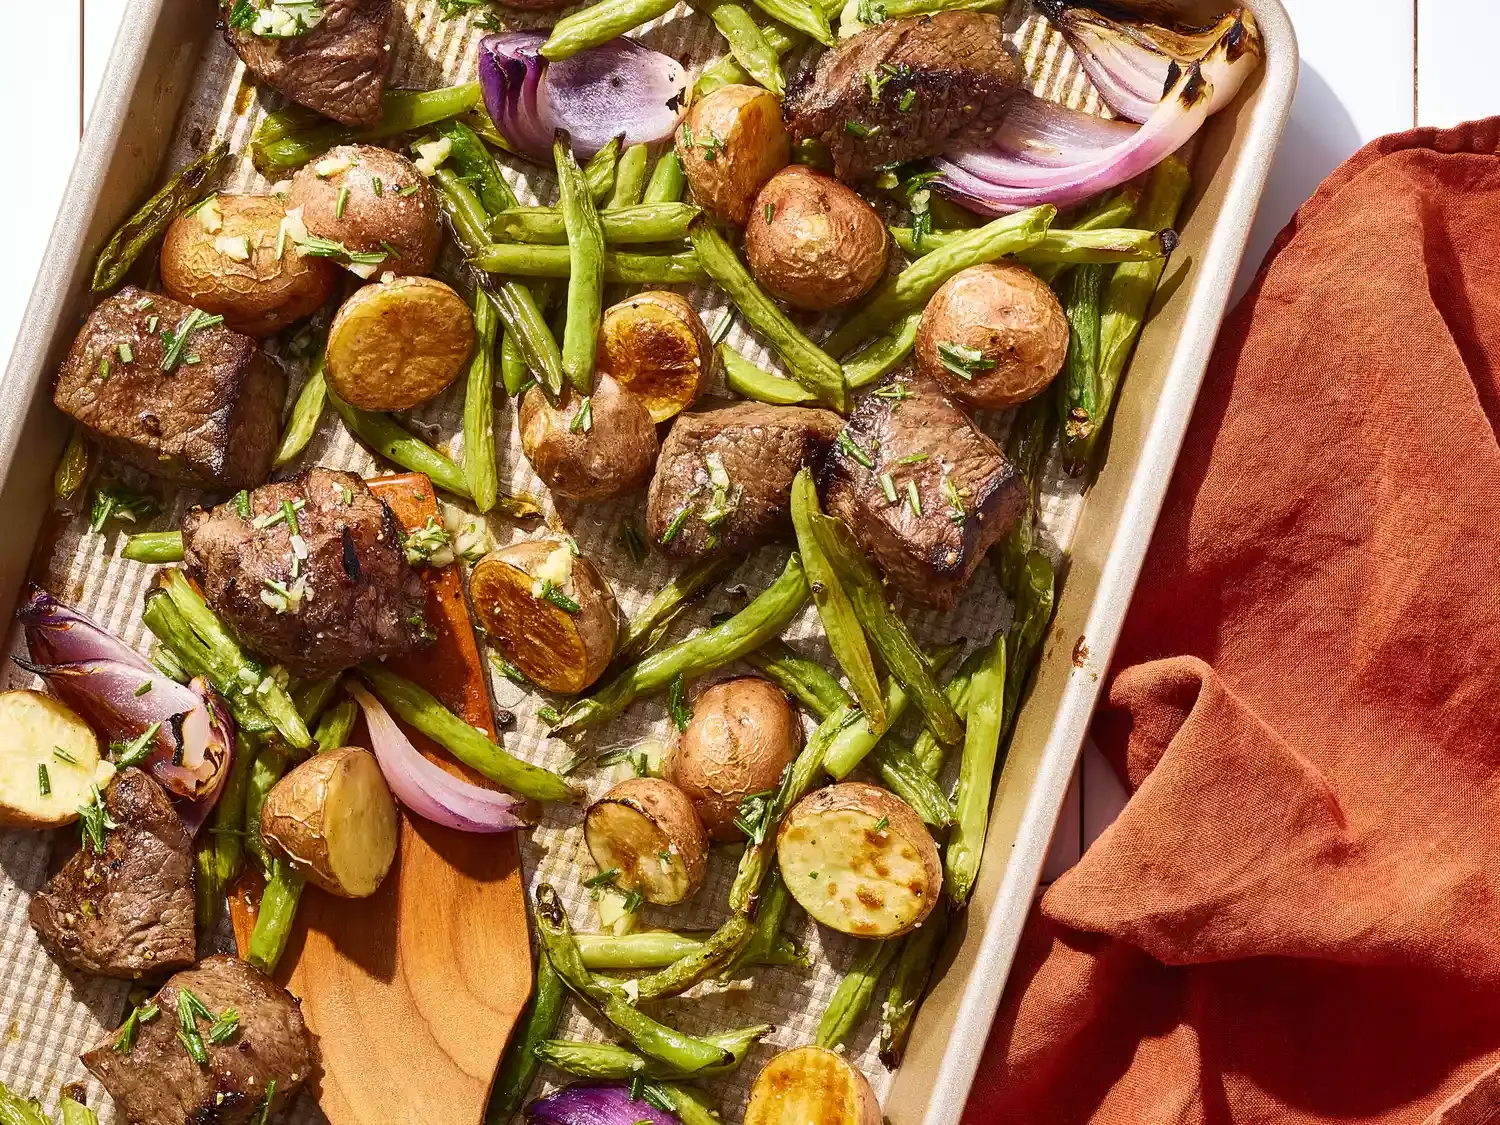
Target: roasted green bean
[[1078, 387], [273, 921], [1033, 613], [630, 178], [804, 679], [884, 353], [16, 1110], [585, 269], [154, 216], [644, 633], [976, 774], [513, 373], [158, 547], [625, 226], [640, 949], [1026, 448], [767, 944], [530, 260], [919, 953], [197, 657], [806, 17], [903, 775], [712, 958], [755, 383], [75, 1112], [850, 746], [307, 412], [854, 992], [480, 471], [477, 166], [72, 469], [668, 181], [610, 1061], [599, 23], [600, 170], [747, 44], [523, 1056], [1064, 247], [526, 328], [336, 725], [221, 849], [284, 142], [387, 437]]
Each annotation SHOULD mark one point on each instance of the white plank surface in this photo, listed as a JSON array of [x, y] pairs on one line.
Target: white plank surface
[[1394, 64]]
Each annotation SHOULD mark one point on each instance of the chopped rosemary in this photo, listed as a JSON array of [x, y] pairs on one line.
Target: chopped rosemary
[[888, 486], [340, 201], [913, 500], [633, 541], [963, 361], [583, 419], [63, 756], [125, 352], [43, 781], [897, 392], [142, 1013], [680, 518], [908, 97], [955, 501], [242, 504], [195, 321], [754, 815], [849, 446], [681, 713], [912, 459], [144, 689], [223, 1029], [508, 670], [882, 824], [551, 593], [603, 879], [95, 822], [377, 186], [133, 753], [770, 211], [856, 129]]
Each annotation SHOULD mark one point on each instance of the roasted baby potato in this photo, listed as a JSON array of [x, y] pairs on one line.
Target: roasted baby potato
[[229, 256], [398, 343], [646, 831], [731, 143], [370, 201], [589, 447], [814, 243], [742, 735], [859, 860], [550, 612], [655, 346], [811, 1084], [994, 335], [49, 762], [335, 821]]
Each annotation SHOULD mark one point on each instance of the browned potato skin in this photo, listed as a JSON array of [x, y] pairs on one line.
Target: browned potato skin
[[747, 145], [655, 346], [814, 243], [556, 650], [671, 810], [812, 1086], [1010, 315], [404, 354], [256, 297], [613, 457], [742, 735], [408, 222]]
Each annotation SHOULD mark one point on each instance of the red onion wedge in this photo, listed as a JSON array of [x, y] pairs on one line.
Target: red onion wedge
[[56, 633], [596, 1105], [427, 789], [619, 87]]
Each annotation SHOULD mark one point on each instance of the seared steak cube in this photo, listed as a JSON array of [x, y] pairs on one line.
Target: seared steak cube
[[157, 1082], [126, 911], [925, 492], [723, 480], [205, 413], [317, 597]]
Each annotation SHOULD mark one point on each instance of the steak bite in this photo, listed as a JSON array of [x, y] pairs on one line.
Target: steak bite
[[968, 495], [157, 1082], [204, 411], [723, 480], [904, 89], [319, 597], [336, 67], [126, 911]]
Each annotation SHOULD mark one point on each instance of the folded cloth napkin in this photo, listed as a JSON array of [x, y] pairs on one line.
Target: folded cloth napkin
[[1297, 916]]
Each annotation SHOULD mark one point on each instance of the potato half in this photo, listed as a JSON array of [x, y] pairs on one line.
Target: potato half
[[399, 343], [811, 1086], [646, 830], [49, 762], [731, 143], [814, 243], [222, 258], [859, 860], [371, 201], [742, 735], [334, 819], [654, 345], [592, 447], [552, 614]]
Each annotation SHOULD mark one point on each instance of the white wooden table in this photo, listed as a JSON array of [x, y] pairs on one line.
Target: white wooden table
[[1368, 68]]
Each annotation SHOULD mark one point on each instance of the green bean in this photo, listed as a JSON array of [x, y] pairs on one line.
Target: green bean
[[903, 775], [642, 222], [976, 773], [306, 413], [758, 622], [721, 72], [804, 679], [805, 17], [854, 742], [630, 178], [282, 144], [885, 629], [666, 1045], [746, 42], [898, 9], [198, 658], [72, 469], [928, 751], [840, 626], [585, 269], [1078, 387], [642, 949], [643, 635], [884, 353], [269, 766], [420, 709], [74, 1111], [1033, 614], [337, 725], [387, 437], [274, 919], [1026, 449], [805, 361], [526, 328], [1064, 247], [912, 287], [599, 23], [715, 955], [767, 943], [611, 1062], [528, 260], [221, 849], [600, 170], [16, 1110], [919, 954], [154, 547], [480, 471], [477, 166], [854, 992], [513, 373], [668, 181], [689, 1104], [153, 217], [522, 1058], [757, 384]]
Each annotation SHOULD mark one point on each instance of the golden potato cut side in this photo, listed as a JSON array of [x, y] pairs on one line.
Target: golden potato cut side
[[654, 345], [645, 830], [334, 819], [811, 1086], [859, 860], [399, 343], [49, 762]]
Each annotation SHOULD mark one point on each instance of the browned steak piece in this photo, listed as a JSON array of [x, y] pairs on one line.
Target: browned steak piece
[[127, 912], [341, 593], [757, 449], [211, 421], [968, 494], [157, 1082], [942, 80], [337, 68]]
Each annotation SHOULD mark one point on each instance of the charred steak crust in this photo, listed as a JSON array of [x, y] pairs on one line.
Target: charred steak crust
[[930, 556], [212, 423], [127, 912], [338, 68], [358, 600], [761, 448], [158, 1083], [954, 72]]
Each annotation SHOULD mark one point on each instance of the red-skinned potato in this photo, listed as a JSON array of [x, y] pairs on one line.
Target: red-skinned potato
[[730, 144], [371, 201], [592, 447]]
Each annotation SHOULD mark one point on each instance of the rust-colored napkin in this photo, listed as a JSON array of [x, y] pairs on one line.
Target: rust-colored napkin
[[1297, 917]]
